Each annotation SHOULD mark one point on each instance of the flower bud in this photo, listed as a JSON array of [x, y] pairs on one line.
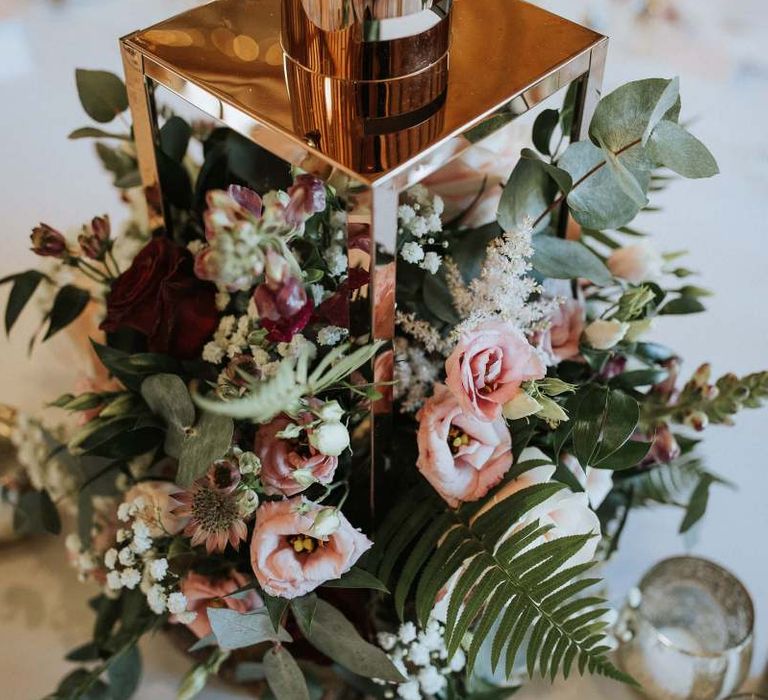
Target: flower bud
[[330, 438], [552, 412], [307, 197], [330, 412], [224, 476], [193, 683], [290, 432], [94, 241], [665, 447], [636, 263], [48, 242], [522, 406], [637, 329], [702, 375], [603, 335], [698, 420], [667, 386], [248, 502], [327, 521], [246, 198], [249, 463], [303, 477]]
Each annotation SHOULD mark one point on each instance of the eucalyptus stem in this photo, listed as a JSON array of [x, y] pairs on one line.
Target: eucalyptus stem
[[562, 197]]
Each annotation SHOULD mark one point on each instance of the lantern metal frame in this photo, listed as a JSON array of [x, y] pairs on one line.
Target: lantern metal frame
[[227, 59]]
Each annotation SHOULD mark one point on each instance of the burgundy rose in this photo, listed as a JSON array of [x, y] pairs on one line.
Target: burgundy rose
[[159, 296]]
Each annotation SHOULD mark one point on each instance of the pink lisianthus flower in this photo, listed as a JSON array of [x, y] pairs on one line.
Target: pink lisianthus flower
[[202, 593], [292, 556], [282, 457], [461, 456], [487, 367]]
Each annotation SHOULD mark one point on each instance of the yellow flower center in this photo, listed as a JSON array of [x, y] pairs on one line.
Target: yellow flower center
[[304, 543], [457, 439]]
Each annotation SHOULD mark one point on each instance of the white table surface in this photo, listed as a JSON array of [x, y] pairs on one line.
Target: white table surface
[[719, 51]]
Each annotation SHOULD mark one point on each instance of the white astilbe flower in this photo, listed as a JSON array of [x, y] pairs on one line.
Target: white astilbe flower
[[331, 335], [415, 375], [423, 332], [504, 289]]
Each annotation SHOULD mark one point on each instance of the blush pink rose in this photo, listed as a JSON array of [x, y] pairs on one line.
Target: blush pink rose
[[157, 504], [561, 340], [487, 367], [202, 593], [461, 456], [281, 457], [280, 569]]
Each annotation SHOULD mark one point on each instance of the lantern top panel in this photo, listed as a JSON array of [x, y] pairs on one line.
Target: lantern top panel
[[226, 58]]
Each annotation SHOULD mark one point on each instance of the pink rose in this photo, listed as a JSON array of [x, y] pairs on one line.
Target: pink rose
[[636, 263], [202, 593], [281, 457], [461, 456], [568, 513], [156, 506], [488, 366], [567, 324], [289, 560]]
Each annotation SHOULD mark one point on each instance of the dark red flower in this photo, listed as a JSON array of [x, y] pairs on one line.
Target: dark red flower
[[335, 309], [159, 296], [307, 197], [48, 242], [283, 329]]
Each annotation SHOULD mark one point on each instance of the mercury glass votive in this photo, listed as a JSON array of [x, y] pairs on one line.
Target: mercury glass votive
[[686, 632]]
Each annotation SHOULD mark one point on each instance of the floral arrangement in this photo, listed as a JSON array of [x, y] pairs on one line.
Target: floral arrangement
[[219, 464]]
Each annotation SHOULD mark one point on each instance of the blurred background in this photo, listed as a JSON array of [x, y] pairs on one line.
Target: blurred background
[[717, 47]]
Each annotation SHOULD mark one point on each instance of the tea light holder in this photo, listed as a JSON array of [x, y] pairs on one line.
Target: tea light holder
[[380, 92], [686, 633]]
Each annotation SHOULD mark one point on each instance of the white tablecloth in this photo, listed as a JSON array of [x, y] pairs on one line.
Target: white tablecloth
[[719, 50]]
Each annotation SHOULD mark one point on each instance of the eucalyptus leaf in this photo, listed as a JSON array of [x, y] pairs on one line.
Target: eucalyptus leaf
[[336, 637], [673, 147], [561, 178], [667, 101], [174, 138], [69, 303], [561, 259], [543, 129], [102, 94], [597, 200], [206, 442], [167, 396], [304, 609], [438, 299], [87, 132], [284, 677], [235, 630], [124, 673], [527, 194], [624, 115], [36, 513], [626, 180], [357, 578]]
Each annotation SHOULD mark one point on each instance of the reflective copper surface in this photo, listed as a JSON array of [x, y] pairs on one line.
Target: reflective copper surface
[[226, 58]]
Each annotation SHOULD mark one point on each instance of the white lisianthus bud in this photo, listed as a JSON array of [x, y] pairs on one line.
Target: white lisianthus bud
[[637, 329], [330, 412], [303, 477], [193, 683], [552, 412], [603, 335], [636, 263], [249, 502], [522, 406], [327, 521], [330, 438]]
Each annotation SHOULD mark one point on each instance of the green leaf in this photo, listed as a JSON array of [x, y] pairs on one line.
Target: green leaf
[[561, 259], [124, 673], [597, 200], [626, 180], [236, 630], [87, 132], [543, 128], [102, 94], [122, 165], [624, 115], [528, 192], [25, 284], [622, 414], [697, 506], [275, 607], [683, 305], [36, 513], [357, 578], [640, 377], [209, 440], [587, 421], [337, 638], [304, 609], [561, 177], [438, 298], [69, 303], [667, 101], [673, 147], [284, 677], [167, 396], [174, 138], [626, 457]]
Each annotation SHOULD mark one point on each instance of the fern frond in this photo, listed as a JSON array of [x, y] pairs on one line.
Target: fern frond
[[520, 580]]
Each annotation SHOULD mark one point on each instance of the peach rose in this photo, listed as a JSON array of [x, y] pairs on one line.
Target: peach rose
[[157, 504], [281, 457], [568, 513], [461, 456], [567, 324], [384, 301], [636, 263], [288, 557], [202, 593], [488, 366]]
